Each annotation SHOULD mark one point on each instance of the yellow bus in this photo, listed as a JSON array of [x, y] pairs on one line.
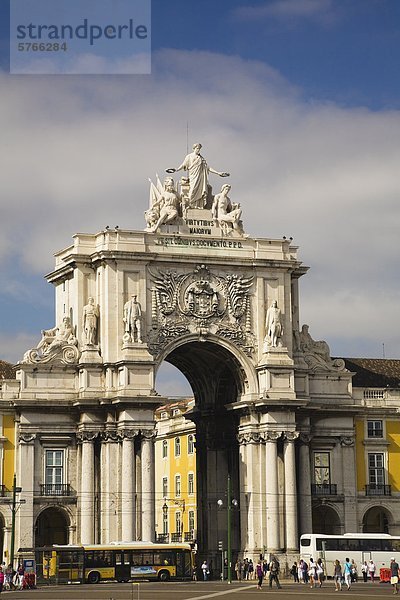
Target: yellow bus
[[118, 561]]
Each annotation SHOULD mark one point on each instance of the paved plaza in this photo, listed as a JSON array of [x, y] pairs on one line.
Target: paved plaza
[[197, 591]]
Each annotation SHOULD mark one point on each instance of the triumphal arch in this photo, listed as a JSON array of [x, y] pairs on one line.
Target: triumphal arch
[[194, 289]]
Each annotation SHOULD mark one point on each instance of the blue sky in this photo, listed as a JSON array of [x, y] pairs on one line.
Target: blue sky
[[298, 99]]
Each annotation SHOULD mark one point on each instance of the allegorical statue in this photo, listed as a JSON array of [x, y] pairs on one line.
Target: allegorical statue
[[225, 213], [90, 318], [133, 320], [319, 348], [196, 166], [57, 337], [165, 205], [273, 325]]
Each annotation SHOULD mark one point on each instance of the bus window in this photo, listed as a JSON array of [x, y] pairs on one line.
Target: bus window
[[396, 545], [353, 545], [127, 558], [108, 558], [118, 558], [387, 545], [89, 560], [147, 558], [168, 558], [374, 544], [306, 541]]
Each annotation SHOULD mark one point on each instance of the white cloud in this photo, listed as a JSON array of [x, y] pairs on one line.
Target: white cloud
[[76, 153]]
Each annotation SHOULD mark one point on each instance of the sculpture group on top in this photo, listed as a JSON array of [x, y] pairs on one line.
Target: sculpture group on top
[[57, 343], [316, 354], [168, 206]]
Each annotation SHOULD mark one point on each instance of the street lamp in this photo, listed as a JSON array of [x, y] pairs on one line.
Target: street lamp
[[14, 506], [231, 503]]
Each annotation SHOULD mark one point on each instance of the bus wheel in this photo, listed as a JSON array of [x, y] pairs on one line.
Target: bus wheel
[[163, 575], [93, 577]]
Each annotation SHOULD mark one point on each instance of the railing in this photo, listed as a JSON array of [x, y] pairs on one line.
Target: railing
[[55, 489], [3, 491], [176, 538], [324, 489], [188, 536], [163, 538], [378, 489]]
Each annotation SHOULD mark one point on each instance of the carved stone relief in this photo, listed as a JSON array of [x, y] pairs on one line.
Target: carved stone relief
[[58, 344], [201, 302], [316, 353]]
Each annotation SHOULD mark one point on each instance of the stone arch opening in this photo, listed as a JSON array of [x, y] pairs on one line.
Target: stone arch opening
[[52, 527], [326, 520], [376, 520], [218, 380]]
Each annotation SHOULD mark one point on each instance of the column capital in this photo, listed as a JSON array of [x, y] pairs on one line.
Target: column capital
[[110, 435], [271, 436], [148, 434], [128, 433], [86, 436], [346, 440], [305, 438], [290, 436], [26, 437], [249, 437]]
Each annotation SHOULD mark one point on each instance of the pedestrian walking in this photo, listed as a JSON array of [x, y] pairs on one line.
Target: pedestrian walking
[[312, 573], [394, 575], [250, 570], [320, 572], [238, 570], [347, 573], [259, 574], [337, 576], [274, 572]]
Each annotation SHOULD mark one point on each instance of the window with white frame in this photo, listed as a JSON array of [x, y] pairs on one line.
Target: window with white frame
[[177, 485], [191, 484], [322, 470], [177, 446], [178, 522], [165, 449], [54, 470], [376, 469], [190, 444], [375, 429], [191, 520], [165, 487]]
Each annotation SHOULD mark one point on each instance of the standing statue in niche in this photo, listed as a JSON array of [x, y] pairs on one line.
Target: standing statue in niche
[[89, 322], [133, 320], [196, 166], [273, 325], [226, 214]]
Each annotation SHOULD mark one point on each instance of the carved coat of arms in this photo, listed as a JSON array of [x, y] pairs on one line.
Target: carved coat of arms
[[201, 302]]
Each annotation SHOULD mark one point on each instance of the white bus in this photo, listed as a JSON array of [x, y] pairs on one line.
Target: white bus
[[380, 547]]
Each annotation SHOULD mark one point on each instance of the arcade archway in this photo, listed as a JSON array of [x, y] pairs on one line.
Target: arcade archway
[[51, 527], [217, 380], [326, 520], [376, 520]]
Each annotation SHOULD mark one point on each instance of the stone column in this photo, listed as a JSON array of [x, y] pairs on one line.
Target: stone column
[[87, 486], [148, 486], [109, 502], [250, 490], [291, 528], [128, 487], [305, 506], [272, 491], [25, 480], [349, 482]]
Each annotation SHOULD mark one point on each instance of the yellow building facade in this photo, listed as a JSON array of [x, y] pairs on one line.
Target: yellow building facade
[[7, 462], [175, 473]]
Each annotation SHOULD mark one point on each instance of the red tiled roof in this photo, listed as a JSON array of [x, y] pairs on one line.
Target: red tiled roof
[[374, 372]]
